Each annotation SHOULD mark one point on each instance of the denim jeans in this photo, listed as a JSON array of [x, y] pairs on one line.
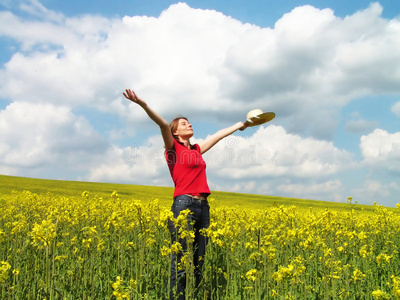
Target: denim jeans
[[200, 215]]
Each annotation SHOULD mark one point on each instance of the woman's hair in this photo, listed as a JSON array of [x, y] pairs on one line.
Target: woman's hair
[[173, 126]]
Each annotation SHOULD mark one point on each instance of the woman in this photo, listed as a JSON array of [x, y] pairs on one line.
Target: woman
[[188, 171]]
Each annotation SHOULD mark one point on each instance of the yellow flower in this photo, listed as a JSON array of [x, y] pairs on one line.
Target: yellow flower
[[363, 251], [380, 295], [115, 285], [255, 255], [176, 247], [2, 235], [86, 242], [358, 275], [73, 240], [60, 257], [89, 231], [182, 220], [4, 271], [219, 242], [362, 235], [383, 257], [327, 252], [274, 293], [187, 234], [119, 291], [42, 234], [165, 251], [132, 283], [100, 245], [150, 242], [395, 286], [277, 276], [250, 275]]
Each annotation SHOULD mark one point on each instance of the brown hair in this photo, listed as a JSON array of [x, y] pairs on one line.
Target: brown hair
[[173, 126]]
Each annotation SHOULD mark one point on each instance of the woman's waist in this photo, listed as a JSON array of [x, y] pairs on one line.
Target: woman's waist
[[201, 196]]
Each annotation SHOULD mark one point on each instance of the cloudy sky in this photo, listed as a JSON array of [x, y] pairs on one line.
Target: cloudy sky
[[330, 70]]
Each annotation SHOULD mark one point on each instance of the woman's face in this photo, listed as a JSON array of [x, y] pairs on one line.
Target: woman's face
[[184, 129]]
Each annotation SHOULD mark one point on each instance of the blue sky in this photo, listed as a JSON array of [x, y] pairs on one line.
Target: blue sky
[[330, 70]]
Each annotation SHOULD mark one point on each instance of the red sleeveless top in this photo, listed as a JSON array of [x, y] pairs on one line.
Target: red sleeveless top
[[188, 170]]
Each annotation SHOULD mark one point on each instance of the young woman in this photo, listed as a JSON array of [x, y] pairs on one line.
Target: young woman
[[188, 172]]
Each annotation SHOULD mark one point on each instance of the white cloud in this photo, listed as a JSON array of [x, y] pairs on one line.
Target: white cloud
[[272, 152], [331, 189], [245, 186], [383, 193], [34, 7], [380, 145], [396, 109], [139, 165], [306, 68], [381, 150], [39, 138]]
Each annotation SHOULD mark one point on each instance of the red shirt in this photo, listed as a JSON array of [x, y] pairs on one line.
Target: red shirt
[[188, 169]]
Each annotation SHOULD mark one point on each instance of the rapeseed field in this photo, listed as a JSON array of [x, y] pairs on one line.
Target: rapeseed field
[[57, 245]]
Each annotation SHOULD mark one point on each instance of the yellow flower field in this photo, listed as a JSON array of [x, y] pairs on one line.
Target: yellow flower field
[[90, 247]]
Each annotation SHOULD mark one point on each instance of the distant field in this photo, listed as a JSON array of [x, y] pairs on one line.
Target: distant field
[[163, 194], [75, 188]]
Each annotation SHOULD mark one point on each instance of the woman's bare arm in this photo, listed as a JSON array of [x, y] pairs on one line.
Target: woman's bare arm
[[208, 143], [164, 127]]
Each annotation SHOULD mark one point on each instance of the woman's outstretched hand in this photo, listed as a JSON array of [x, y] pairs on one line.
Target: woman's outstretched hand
[[243, 126], [131, 95]]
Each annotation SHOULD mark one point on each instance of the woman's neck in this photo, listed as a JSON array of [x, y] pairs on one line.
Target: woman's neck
[[185, 142]]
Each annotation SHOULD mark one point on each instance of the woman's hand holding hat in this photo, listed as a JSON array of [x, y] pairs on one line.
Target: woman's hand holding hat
[[257, 117]]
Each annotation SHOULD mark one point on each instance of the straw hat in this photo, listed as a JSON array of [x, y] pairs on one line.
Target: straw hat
[[257, 117]]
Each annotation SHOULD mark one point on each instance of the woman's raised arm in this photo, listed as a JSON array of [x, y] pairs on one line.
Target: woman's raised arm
[[208, 143], [164, 127]]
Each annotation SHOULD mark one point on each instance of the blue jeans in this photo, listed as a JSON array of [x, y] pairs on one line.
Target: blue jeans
[[200, 215]]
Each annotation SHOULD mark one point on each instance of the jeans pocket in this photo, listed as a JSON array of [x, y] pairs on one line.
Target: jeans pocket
[[182, 201], [180, 204]]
